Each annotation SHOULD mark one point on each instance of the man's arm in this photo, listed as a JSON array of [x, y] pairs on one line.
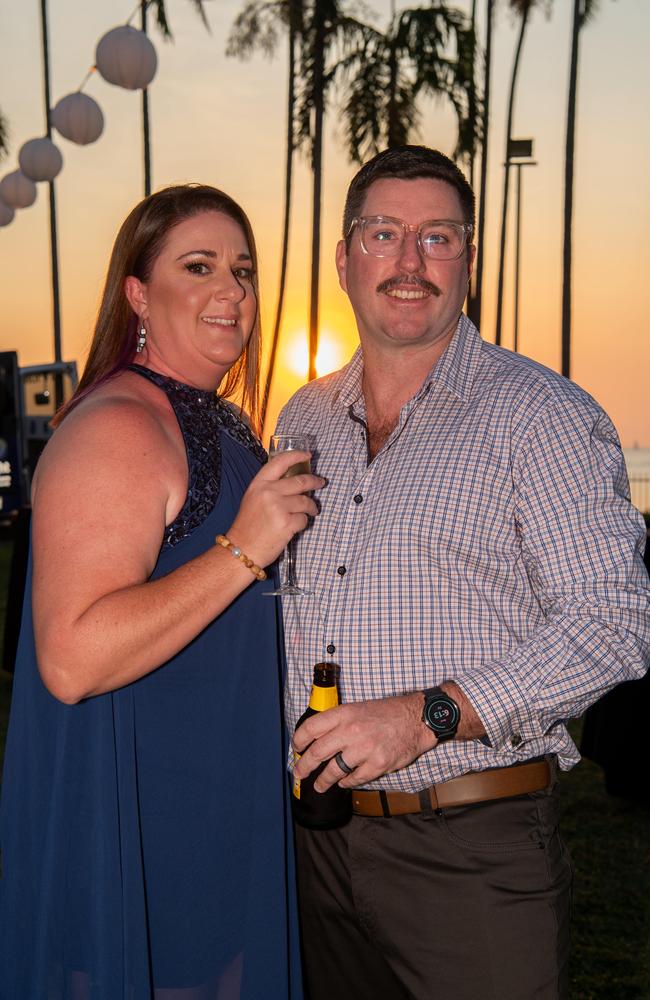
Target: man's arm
[[374, 737], [582, 545]]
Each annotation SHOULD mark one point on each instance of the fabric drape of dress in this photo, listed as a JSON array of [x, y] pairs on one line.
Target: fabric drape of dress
[[145, 833]]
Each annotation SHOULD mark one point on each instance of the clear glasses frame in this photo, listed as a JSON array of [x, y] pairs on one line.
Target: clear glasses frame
[[436, 251]]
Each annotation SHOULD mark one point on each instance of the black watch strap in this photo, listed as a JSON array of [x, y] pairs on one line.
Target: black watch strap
[[440, 713]]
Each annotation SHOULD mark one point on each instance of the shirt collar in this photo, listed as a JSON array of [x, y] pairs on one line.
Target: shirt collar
[[456, 369]]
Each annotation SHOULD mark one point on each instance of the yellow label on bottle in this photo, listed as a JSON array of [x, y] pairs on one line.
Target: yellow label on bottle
[[322, 698]]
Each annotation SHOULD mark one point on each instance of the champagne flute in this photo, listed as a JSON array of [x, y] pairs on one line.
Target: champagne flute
[[279, 443]]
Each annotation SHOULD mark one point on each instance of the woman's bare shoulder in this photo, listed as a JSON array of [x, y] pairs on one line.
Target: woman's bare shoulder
[[123, 422]]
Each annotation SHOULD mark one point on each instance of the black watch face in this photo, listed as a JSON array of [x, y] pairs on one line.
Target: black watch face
[[442, 715]]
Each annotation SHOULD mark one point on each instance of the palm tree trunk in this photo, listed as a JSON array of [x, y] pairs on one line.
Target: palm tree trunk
[[393, 131], [506, 182], [54, 246], [568, 191], [317, 169], [474, 305], [291, 88], [472, 96]]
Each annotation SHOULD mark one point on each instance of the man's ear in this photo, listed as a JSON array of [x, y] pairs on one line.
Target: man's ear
[[342, 263], [136, 293]]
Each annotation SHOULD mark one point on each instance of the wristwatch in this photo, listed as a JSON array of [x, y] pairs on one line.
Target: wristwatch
[[441, 713]]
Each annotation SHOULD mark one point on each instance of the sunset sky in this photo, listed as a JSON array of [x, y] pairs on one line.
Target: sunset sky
[[222, 122]]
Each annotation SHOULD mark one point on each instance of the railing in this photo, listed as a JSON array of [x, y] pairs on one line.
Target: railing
[[640, 488]]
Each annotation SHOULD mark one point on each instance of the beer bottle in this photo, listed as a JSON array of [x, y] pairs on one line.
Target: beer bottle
[[320, 810]]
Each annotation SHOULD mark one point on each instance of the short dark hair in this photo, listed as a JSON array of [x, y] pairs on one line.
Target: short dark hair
[[407, 163]]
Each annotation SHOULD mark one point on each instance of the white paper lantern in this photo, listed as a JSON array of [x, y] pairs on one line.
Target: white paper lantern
[[40, 160], [126, 57], [6, 213], [17, 191], [78, 118]]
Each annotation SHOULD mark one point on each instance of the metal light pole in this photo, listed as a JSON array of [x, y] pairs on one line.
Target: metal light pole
[[56, 307], [145, 113], [519, 153]]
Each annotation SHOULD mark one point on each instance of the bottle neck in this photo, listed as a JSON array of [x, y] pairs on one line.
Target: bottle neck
[[322, 698]]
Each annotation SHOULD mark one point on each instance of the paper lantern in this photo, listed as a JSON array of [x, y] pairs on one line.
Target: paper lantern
[[78, 118], [17, 191], [6, 213], [126, 57], [40, 160]]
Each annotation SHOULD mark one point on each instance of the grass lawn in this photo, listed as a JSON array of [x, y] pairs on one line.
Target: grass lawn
[[610, 844]]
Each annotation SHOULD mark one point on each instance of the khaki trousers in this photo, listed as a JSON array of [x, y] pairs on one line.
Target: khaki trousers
[[470, 903]]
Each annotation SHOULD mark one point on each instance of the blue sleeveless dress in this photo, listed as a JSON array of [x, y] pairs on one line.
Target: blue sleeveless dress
[[145, 834]]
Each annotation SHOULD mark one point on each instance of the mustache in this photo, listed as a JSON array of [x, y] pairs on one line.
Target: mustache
[[400, 280]]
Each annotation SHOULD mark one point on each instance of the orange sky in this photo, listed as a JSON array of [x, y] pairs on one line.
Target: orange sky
[[222, 122]]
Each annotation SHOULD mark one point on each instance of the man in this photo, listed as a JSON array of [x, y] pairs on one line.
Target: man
[[477, 575]]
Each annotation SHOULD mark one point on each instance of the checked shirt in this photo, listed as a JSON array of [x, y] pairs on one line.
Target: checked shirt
[[491, 541]]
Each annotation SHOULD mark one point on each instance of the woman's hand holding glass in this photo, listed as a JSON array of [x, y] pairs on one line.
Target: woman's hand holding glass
[[274, 508]]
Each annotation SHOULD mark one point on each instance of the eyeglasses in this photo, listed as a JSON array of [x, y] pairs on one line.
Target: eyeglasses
[[440, 239]]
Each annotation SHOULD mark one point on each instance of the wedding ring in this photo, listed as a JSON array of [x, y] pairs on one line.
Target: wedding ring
[[341, 763]]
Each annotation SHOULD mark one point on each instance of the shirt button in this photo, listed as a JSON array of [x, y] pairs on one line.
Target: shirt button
[[358, 498], [331, 648], [341, 570], [516, 739]]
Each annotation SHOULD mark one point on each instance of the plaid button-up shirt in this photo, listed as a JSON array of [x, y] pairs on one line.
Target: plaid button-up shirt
[[491, 541]]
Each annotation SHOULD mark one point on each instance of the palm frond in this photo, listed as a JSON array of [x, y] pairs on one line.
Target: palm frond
[[256, 27], [163, 23], [4, 136], [200, 10], [589, 10], [161, 19]]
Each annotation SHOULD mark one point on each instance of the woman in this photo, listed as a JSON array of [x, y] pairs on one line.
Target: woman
[[143, 815]]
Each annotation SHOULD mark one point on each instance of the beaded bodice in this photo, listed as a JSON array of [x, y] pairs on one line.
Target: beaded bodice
[[202, 416]]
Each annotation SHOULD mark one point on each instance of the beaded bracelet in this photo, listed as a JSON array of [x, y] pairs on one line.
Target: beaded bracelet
[[257, 571]]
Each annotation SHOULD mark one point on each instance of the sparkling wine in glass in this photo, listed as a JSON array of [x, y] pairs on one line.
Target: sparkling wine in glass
[[291, 442]]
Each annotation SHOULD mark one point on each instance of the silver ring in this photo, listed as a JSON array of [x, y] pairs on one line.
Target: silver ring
[[341, 763]]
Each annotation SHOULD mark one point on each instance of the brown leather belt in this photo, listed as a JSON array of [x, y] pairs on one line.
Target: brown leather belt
[[477, 786]]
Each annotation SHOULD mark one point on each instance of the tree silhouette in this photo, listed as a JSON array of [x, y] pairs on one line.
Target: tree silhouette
[[161, 15], [522, 8], [257, 27], [329, 31], [582, 11], [165, 30], [4, 136], [475, 299], [425, 51]]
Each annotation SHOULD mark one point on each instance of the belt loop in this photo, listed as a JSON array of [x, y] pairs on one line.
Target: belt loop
[[427, 797], [383, 798]]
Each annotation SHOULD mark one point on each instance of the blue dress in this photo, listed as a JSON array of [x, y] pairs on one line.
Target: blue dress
[[145, 834]]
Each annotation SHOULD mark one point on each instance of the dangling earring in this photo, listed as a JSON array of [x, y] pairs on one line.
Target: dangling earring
[[142, 338]]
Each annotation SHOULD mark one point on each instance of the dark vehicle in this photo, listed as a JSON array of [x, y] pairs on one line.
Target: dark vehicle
[[27, 405]]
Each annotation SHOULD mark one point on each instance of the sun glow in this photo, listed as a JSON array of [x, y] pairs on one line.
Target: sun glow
[[331, 354]]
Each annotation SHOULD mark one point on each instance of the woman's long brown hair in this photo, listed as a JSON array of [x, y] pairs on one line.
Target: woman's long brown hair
[[138, 244]]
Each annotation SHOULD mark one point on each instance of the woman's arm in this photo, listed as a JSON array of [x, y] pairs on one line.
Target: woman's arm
[[107, 484]]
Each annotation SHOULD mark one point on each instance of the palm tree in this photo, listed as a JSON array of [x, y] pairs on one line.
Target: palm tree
[[163, 25], [522, 9], [385, 77], [257, 27], [474, 302], [328, 30], [582, 11]]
